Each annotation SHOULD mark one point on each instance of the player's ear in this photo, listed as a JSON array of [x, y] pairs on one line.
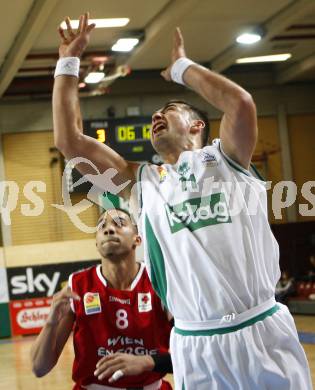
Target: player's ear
[[138, 240], [197, 126]]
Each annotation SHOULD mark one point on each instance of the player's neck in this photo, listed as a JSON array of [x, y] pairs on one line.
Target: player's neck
[[120, 275], [171, 156]]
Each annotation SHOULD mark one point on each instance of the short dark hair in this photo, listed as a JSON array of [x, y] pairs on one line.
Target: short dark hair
[[124, 211], [197, 114]]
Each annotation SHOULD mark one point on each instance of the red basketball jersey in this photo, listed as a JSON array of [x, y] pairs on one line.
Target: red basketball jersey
[[109, 320]]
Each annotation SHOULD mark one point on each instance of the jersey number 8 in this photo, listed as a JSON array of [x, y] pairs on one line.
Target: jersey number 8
[[121, 319]]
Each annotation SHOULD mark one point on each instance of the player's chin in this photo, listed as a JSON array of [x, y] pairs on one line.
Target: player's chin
[[108, 250], [161, 142]]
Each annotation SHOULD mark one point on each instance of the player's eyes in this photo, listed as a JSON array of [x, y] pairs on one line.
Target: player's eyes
[[170, 108], [100, 225], [119, 222]]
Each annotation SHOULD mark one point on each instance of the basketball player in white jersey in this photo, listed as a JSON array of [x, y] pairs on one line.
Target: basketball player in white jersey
[[209, 249]]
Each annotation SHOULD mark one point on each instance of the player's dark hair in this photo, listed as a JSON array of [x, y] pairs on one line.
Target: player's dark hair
[[197, 114], [124, 211]]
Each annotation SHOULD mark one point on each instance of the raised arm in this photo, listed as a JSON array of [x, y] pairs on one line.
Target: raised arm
[[68, 132], [50, 342], [238, 129]]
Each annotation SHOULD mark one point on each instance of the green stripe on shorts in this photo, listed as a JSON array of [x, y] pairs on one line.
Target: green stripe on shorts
[[212, 332]]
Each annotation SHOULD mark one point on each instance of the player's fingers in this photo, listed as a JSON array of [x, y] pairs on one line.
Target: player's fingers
[[61, 301], [71, 294], [178, 39], [105, 372], [69, 28], [80, 28], [105, 359], [62, 35], [117, 375], [85, 20], [107, 362], [90, 27]]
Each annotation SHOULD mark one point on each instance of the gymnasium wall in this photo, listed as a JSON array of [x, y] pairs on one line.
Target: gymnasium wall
[[302, 144], [49, 244], [297, 242], [29, 157]]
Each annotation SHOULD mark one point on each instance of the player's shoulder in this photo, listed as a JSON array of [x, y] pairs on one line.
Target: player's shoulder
[[209, 154], [84, 273], [144, 280], [143, 277]]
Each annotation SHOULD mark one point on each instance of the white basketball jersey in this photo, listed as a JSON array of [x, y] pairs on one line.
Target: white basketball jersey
[[208, 245]]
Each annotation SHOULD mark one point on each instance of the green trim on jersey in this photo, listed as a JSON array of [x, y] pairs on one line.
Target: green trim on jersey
[[232, 163], [257, 172], [230, 329], [239, 168], [158, 277], [139, 173]]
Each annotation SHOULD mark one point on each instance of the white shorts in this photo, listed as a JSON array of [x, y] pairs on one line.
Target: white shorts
[[265, 355]]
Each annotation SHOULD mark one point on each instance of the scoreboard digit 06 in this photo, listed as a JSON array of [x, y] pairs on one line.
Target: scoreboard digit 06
[[130, 136]]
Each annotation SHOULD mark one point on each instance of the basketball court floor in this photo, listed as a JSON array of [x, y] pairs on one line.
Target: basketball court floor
[[16, 374]]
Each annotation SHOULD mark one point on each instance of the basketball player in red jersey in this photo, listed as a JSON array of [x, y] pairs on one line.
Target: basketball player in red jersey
[[121, 332]]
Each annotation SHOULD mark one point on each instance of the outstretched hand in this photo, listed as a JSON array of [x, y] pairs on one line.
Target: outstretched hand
[[177, 52], [73, 43], [128, 364]]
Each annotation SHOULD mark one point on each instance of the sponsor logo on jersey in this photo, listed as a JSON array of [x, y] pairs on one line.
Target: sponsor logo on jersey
[[197, 213], [125, 345], [92, 303], [122, 301], [209, 159], [144, 302], [183, 169], [186, 178], [162, 174]]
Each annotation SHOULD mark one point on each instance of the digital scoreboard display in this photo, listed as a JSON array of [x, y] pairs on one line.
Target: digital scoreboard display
[[130, 137]]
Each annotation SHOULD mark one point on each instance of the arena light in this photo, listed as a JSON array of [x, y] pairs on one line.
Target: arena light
[[94, 77], [248, 38], [100, 23], [125, 44], [269, 58]]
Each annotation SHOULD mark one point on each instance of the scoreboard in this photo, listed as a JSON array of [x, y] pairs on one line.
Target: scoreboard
[[129, 136]]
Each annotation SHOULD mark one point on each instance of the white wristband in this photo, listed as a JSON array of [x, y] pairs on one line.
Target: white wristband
[[69, 66], [178, 69]]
